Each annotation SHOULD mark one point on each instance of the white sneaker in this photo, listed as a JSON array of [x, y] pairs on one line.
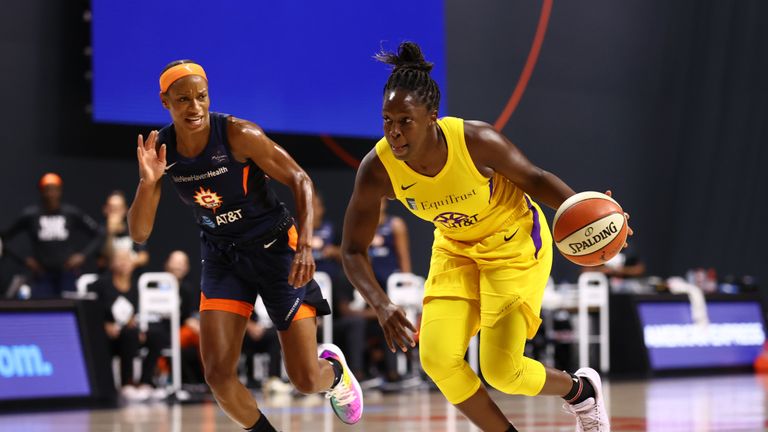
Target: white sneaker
[[143, 392], [158, 394], [277, 386], [134, 394], [590, 414]]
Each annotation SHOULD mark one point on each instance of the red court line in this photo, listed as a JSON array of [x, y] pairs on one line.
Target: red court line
[[530, 63], [339, 151]]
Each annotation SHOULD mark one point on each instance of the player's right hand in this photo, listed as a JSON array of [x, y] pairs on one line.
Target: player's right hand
[[151, 160], [395, 325]]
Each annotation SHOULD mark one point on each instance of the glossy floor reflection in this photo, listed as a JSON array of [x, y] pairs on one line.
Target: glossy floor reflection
[[702, 404]]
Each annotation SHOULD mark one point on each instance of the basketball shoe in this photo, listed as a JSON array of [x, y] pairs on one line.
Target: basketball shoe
[[346, 397], [590, 414]]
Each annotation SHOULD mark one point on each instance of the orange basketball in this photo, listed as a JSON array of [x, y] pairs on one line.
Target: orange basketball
[[590, 228]]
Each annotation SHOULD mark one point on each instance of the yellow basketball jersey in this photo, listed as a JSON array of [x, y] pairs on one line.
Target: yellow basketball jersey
[[462, 203]]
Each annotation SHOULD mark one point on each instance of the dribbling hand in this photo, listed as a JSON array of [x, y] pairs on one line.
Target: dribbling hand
[[151, 160], [626, 216], [395, 325]]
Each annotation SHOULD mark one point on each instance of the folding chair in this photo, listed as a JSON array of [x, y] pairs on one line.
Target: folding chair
[[407, 291], [81, 285], [158, 299], [593, 293]]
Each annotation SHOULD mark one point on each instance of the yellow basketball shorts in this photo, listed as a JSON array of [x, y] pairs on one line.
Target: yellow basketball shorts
[[495, 284], [505, 271]]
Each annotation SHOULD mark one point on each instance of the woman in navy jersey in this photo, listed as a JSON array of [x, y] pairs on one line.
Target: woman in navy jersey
[[390, 249], [220, 167]]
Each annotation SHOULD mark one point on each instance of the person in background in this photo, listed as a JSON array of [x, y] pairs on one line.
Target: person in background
[[177, 264], [119, 300], [115, 212], [390, 249], [54, 229], [261, 337], [348, 324], [389, 253], [325, 248], [625, 271]]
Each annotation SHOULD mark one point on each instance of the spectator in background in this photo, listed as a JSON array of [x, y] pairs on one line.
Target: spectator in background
[[390, 249], [389, 253], [189, 331], [116, 223], [325, 249], [348, 324], [119, 300], [261, 337], [55, 228], [625, 271]]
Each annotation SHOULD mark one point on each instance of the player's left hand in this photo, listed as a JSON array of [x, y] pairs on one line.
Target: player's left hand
[[626, 217], [303, 267]]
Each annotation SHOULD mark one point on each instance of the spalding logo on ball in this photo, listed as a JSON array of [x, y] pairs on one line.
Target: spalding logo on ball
[[590, 228]]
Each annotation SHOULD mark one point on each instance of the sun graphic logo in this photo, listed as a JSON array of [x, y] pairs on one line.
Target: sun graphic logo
[[208, 199], [455, 220]]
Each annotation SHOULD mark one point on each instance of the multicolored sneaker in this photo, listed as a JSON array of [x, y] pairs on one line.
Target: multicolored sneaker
[[347, 397], [590, 414]]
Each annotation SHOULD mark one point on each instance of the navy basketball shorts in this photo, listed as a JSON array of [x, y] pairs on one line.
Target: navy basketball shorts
[[233, 275]]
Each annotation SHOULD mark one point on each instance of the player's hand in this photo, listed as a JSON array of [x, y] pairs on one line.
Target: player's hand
[[395, 325], [303, 267], [74, 261], [33, 265], [151, 160], [626, 218], [255, 330], [112, 329]]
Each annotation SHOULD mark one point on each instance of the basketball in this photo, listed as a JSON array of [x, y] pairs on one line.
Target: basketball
[[590, 228]]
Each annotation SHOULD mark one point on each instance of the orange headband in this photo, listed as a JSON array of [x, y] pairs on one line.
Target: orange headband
[[50, 179], [180, 71]]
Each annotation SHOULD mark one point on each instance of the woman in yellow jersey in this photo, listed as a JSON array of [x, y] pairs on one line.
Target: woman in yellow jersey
[[491, 255]]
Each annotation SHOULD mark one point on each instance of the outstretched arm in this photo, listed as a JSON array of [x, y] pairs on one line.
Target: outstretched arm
[[493, 152], [141, 215], [360, 221], [249, 141]]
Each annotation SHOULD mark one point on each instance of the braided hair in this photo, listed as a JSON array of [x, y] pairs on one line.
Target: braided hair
[[410, 71]]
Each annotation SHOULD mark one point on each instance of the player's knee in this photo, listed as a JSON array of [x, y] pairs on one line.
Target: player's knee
[[512, 377], [439, 364], [506, 378], [305, 381], [217, 377]]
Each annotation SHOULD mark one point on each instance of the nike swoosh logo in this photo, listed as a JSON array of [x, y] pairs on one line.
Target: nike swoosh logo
[[171, 165], [267, 245], [407, 187], [510, 237]]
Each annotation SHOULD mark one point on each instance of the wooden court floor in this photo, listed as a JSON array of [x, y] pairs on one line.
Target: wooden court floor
[[721, 403]]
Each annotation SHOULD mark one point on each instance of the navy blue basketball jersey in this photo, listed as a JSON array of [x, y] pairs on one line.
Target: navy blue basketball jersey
[[383, 253], [231, 200], [321, 237]]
